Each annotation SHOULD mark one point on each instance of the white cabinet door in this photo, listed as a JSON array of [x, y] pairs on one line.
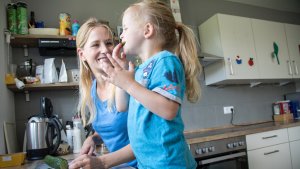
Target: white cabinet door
[[273, 157], [268, 138], [295, 153], [230, 37], [293, 41], [238, 47], [266, 34]]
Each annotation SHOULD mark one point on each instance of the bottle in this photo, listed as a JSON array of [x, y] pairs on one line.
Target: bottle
[[75, 27], [12, 18], [69, 132], [104, 149], [22, 21], [77, 140], [32, 20]]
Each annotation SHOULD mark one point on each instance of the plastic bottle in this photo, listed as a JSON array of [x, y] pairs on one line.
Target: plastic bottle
[[69, 132], [77, 140], [75, 27]]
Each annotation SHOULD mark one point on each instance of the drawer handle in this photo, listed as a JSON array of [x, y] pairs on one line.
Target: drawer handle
[[269, 137], [275, 151]]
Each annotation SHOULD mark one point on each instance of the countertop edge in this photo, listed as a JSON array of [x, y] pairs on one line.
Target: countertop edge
[[275, 126]]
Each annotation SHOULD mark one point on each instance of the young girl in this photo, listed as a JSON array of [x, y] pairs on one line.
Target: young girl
[[170, 69]]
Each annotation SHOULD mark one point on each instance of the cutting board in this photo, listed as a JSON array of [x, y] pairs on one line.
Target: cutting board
[[10, 137]]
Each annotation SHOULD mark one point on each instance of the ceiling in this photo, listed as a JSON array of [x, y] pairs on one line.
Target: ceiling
[[282, 5]]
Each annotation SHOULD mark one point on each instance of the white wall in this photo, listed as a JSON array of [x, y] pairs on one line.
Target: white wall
[[7, 110]]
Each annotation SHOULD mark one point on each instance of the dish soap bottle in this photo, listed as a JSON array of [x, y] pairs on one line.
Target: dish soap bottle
[[75, 27]]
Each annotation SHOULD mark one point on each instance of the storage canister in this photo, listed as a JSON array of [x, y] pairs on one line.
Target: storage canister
[[12, 18], [22, 21], [64, 24]]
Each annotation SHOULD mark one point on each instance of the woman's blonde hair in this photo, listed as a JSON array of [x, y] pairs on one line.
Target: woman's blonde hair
[[86, 75], [184, 45]]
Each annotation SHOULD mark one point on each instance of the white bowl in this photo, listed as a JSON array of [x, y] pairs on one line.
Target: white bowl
[[43, 31]]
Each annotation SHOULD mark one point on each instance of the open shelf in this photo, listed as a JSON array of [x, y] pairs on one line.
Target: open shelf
[[31, 40], [39, 87]]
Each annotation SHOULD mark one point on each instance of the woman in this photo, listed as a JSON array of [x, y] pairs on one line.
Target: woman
[[94, 42]]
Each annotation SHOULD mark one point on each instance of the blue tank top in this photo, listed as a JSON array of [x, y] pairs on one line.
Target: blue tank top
[[111, 126]]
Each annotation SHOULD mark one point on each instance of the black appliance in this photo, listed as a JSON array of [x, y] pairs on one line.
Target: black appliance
[[57, 47]]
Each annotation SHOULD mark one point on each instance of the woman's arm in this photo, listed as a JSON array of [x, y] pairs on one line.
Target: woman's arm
[[121, 156], [88, 146], [105, 161]]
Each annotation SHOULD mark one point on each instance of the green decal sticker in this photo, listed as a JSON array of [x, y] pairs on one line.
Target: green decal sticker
[[275, 53]]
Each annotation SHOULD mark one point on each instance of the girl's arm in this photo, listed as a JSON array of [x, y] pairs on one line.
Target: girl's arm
[[124, 79], [153, 101], [121, 97]]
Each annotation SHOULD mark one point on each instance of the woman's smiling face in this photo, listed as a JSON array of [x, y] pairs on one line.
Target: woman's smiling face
[[99, 44]]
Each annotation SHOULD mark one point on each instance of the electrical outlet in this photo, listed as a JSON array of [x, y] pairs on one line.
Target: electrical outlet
[[227, 109]]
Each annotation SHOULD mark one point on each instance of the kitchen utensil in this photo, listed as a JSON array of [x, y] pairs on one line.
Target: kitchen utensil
[[26, 69], [43, 132]]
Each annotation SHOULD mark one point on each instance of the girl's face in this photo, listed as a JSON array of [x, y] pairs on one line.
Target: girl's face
[[94, 52], [132, 33]]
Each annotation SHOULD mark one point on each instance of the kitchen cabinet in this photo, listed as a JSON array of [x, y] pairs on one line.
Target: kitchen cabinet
[[269, 150], [253, 50], [268, 35], [229, 37], [294, 138], [293, 41]]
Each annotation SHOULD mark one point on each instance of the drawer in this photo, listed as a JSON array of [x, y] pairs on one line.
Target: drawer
[[294, 133], [273, 157], [264, 139]]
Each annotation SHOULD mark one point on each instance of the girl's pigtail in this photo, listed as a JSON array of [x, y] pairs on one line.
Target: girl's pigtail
[[187, 52]]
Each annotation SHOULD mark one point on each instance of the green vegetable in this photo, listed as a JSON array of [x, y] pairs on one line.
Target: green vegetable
[[56, 162]]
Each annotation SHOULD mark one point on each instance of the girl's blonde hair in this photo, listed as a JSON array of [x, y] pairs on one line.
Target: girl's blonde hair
[[184, 45], [86, 75]]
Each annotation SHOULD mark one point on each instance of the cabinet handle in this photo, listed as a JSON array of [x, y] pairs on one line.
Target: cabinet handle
[[271, 152], [269, 137], [290, 68], [296, 68], [230, 66]]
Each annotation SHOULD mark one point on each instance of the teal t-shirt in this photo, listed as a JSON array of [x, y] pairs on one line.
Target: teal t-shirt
[[111, 126], [156, 142]]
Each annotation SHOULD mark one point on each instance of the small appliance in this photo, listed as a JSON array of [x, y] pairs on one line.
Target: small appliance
[[57, 47], [43, 132]]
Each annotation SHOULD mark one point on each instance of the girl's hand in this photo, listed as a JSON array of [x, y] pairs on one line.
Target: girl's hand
[[119, 56], [116, 73], [87, 162], [88, 146]]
